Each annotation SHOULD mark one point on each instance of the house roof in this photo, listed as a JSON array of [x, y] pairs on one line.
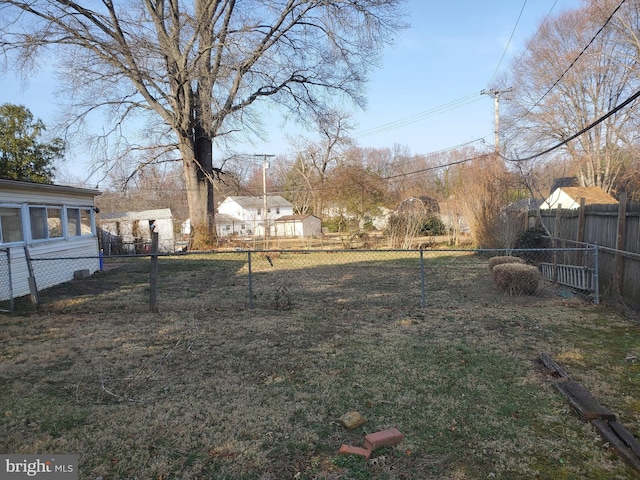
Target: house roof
[[258, 202], [221, 218], [159, 214], [20, 185], [591, 195]]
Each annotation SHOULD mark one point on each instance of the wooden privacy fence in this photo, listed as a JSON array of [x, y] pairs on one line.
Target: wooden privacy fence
[[615, 229]]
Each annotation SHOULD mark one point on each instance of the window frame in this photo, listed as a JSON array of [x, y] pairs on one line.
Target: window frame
[[84, 228], [21, 217], [79, 222], [45, 226]]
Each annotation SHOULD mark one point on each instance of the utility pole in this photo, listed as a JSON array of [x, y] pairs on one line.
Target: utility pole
[[495, 93], [265, 165]]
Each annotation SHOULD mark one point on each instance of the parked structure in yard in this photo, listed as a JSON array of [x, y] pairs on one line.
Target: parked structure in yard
[[298, 226], [130, 232], [569, 198], [44, 221]]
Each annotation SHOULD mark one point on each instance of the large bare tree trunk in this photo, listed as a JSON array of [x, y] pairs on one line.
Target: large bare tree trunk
[[198, 171]]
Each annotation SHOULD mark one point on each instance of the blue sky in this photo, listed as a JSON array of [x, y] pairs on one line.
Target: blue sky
[[448, 55]]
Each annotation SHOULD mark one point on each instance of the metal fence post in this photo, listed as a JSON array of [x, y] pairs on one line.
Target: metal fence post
[[423, 300], [250, 280], [596, 276], [153, 278]]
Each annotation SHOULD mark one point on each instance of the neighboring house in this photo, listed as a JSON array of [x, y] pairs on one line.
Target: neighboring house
[[130, 232], [249, 215], [569, 197], [226, 225], [52, 222], [298, 226]]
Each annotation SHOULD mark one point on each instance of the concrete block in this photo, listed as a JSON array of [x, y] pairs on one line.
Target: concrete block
[[81, 274]]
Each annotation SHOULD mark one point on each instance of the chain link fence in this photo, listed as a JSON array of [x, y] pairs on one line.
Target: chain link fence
[[6, 285], [286, 279]]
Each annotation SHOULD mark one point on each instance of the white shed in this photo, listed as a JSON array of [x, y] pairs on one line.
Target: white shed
[[131, 231], [298, 226], [55, 224]]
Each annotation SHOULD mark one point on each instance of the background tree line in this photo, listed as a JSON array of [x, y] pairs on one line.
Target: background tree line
[[576, 69]]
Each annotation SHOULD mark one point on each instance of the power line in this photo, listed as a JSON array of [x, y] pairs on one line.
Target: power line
[[460, 102], [437, 167], [509, 42], [584, 130], [571, 64], [615, 110]]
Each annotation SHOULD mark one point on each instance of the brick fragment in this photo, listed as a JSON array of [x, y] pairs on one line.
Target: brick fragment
[[383, 438], [351, 450]]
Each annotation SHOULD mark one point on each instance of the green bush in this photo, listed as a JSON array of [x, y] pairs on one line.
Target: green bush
[[531, 238], [516, 278]]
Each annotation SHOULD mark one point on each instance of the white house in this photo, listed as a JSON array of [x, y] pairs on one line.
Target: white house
[[248, 217], [569, 197], [131, 231], [298, 226], [50, 222]]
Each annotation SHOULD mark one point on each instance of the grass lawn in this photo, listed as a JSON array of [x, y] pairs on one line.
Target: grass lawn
[[210, 389]]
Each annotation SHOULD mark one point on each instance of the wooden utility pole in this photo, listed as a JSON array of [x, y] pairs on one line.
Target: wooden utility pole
[[495, 93], [265, 165]]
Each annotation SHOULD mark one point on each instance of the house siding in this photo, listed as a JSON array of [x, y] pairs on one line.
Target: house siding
[[54, 260], [249, 211]]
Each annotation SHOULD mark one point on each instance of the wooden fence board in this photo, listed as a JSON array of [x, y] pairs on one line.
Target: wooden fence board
[[583, 402]]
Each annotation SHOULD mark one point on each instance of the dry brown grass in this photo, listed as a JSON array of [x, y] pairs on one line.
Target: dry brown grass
[[210, 389]]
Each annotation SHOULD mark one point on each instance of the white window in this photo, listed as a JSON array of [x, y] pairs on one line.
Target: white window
[[46, 222], [10, 225], [78, 222]]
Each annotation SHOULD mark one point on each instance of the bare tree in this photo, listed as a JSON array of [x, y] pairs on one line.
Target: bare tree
[[316, 159], [202, 66], [575, 72]]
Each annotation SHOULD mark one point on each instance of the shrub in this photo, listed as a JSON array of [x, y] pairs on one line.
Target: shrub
[[531, 238], [516, 278], [504, 259]]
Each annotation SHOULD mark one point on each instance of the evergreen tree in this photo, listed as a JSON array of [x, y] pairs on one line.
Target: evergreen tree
[[23, 156]]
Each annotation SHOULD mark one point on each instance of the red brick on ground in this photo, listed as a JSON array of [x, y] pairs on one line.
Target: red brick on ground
[[384, 438], [351, 450]]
